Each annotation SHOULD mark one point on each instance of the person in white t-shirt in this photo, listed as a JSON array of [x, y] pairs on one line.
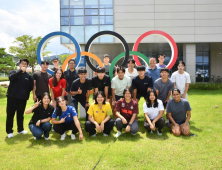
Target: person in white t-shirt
[[153, 110], [181, 80], [131, 71]]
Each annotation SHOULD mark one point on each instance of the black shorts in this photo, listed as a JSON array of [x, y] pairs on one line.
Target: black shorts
[[165, 104], [180, 123], [138, 96]]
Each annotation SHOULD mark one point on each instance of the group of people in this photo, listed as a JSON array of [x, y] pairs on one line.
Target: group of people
[[56, 99]]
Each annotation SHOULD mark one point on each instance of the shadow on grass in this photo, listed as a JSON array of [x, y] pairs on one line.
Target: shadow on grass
[[17, 139]]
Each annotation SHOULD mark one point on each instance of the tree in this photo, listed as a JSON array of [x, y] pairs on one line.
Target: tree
[[6, 61], [26, 48], [63, 57]]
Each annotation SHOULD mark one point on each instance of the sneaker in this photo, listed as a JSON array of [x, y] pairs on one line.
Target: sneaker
[[52, 130], [46, 138], [10, 135], [23, 132], [159, 132], [63, 136], [34, 138], [151, 131], [73, 136], [105, 135], [93, 136], [133, 134], [118, 134]]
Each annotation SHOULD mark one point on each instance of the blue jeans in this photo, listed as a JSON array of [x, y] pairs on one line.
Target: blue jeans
[[38, 131]]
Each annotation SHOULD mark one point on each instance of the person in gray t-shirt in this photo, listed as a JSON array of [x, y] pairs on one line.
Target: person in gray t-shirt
[[164, 86], [107, 65], [177, 109]]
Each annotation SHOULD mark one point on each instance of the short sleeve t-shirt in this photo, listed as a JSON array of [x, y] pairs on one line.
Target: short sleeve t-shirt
[[42, 82], [181, 80], [69, 114], [178, 110], [87, 85], [101, 84], [127, 109], [131, 75], [153, 112], [142, 84], [41, 113], [120, 85], [161, 66], [163, 88], [155, 73], [58, 89], [107, 69], [99, 114]]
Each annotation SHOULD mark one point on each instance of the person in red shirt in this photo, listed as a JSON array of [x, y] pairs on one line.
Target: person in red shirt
[[126, 111], [57, 86]]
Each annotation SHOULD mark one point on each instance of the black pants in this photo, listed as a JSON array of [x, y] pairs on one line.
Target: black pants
[[61, 128], [14, 105], [108, 127], [39, 98], [159, 124], [75, 102]]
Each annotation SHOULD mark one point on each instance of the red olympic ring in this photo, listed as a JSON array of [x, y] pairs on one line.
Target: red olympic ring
[[170, 40]]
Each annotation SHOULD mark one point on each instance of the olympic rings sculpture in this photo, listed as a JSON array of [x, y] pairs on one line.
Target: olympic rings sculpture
[[125, 54]]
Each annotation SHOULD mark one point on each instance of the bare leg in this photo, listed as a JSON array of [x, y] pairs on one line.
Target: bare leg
[[176, 130]]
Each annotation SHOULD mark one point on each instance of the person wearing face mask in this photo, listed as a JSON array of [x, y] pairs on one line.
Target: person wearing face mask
[[68, 120], [179, 113], [80, 90], [153, 71], [181, 80], [101, 82], [57, 86], [41, 81], [20, 86], [39, 123], [99, 116]]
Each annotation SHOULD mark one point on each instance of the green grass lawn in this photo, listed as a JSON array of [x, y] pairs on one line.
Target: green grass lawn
[[143, 151]]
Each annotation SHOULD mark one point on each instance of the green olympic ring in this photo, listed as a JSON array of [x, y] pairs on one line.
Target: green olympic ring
[[121, 55]]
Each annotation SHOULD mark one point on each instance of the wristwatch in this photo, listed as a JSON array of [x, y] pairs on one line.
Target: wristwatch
[[130, 124]]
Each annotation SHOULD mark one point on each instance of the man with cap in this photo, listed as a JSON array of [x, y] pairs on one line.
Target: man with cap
[[55, 62], [107, 64]]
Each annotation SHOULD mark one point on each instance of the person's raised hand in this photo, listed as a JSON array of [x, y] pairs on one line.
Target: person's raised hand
[[79, 91], [63, 120]]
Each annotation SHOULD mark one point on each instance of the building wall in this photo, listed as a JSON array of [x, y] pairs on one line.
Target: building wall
[[186, 21]]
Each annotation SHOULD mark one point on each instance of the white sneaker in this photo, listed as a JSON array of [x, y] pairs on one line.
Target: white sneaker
[[10, 135], [52, 130], [73, 136], [46, 138], [151, 131], [105, 135], [118, 134], [159, 133], [23, 132], [34, 138], [63, 136], [93, 136]]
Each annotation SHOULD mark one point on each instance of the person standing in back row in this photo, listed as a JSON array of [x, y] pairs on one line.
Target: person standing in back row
[[21, 84], [161, 59]]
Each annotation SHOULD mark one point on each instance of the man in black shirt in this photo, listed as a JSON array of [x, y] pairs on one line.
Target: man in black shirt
[[101, 82], [70, 76], [141, 84], [80, 90], [41, 81], [21, 84], [55, 62]]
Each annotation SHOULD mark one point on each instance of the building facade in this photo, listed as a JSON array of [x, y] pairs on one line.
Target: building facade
[[195, 25]]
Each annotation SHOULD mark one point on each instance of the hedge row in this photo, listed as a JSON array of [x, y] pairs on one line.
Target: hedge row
[[206, 86]]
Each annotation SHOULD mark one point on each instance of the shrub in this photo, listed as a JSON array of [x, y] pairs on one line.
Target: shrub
[[206, 86], [3, 91], [4, 79]]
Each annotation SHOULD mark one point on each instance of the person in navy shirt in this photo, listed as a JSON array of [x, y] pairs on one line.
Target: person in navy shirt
[[153, 71], [141, 84], [68, 120]]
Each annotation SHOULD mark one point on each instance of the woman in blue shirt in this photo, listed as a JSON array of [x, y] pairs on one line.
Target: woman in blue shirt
[[68, 120]]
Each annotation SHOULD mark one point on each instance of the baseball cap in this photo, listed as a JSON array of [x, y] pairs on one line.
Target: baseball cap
[[105, 55]]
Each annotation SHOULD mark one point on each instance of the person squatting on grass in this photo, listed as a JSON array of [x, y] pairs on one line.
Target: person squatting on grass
[[153, 110], [68, 120], [99, 116], [177, 109], [126, 111], [39, 123], [20, 86]]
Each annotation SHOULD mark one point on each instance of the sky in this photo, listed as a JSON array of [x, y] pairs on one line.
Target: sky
[[30, 17]]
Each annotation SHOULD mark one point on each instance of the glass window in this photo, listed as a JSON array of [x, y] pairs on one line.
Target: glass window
[[91, 11], [64, 3], [91, 20], [105, 3], [76, 12], [105, 11], [108, 39], [106, 20], [199, 57], [206, 57], [91, 3], [65, 29], [199, 72], [76, 3], [90, 31], [64, 12], [76, 21], [64, 20], [78, 33]]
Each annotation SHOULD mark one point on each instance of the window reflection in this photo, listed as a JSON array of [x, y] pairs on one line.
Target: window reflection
[[91, 20], [76, 21], [64, 20], [64, 12], [90, 31], [76, 12], [106, 12], [66, 30], [106, 20], [105, 3], [78, 33], [91, 3], [91, 11], [76, 3], [107, 39], [64, 3]]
